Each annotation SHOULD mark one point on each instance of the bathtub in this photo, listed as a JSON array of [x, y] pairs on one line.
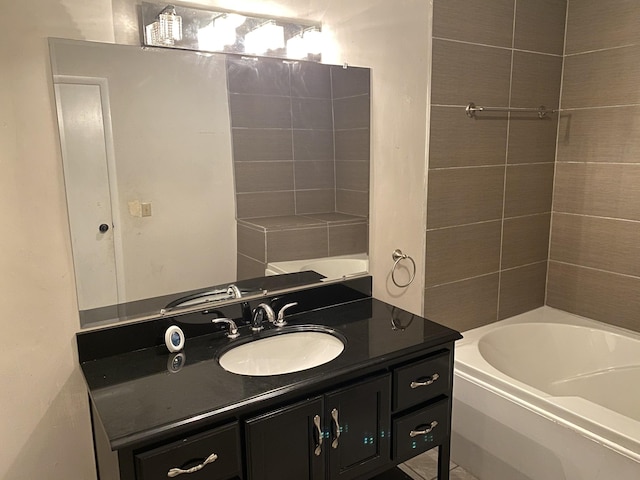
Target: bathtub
[[330, 267], [547, 395]]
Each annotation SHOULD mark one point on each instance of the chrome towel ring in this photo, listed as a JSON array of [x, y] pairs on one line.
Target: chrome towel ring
[[397, 256]]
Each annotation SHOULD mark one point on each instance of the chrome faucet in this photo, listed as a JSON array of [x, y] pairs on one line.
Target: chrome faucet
[[233, 291], [233, 328], [262, 312], [280, 322]]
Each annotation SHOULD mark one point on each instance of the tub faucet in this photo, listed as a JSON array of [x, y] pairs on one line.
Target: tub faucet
[[233, 328], [262, 312]]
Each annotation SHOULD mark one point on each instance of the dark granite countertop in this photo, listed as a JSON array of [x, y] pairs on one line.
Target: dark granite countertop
[[138, 398]]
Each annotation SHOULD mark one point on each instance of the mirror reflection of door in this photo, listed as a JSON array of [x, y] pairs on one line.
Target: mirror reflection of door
[[84, 137]]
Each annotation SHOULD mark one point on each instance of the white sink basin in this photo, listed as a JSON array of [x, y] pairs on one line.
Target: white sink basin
[[286, 352]]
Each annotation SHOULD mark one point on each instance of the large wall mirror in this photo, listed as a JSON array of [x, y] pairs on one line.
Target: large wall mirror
[[186, 173]]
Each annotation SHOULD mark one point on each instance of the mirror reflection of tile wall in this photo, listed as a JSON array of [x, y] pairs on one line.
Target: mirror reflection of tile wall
[[300, 134]]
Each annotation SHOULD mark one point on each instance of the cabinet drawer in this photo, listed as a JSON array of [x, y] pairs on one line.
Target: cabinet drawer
[[192, 452], [421, 381], [420, 431]]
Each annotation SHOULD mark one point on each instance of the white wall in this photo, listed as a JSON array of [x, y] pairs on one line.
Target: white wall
[[45, 430]]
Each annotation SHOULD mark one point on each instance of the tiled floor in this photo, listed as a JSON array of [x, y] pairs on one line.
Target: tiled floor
[[425, 467]]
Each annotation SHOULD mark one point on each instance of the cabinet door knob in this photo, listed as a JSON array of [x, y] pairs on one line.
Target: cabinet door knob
[[424, 431], [423, 382], [334, 416], [316, 423], [174, 472]]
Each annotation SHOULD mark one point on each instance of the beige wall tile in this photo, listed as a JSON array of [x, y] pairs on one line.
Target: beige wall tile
[[600, 135], [457, 140], [488, 22], [463, 305], [535, 80], [525, 240], [258, 145], [251, 243], [522, 289], [347, 82], [269, 76], [347, 239], [464, 195], [352, 112], [310, 80], [265, 204], [297, 244], [313, 113], [263, 176], [249, 268], [597, 24], [352, 202], [529, 189], [603, 190], [602, 78], [531, 139], [540, 25], [462, 252], [604, 296], [315, 201], [464, 73], [352, 145], [259, 111], [352, 176], [312, 174], [603, 243], [312, 145]]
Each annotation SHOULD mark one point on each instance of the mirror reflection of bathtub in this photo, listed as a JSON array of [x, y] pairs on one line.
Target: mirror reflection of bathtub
[[331, 268]]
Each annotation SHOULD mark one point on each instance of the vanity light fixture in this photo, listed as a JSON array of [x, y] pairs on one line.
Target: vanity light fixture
[[305, 44], [188, 28], [265, 37], [219, 33], [167, 28]]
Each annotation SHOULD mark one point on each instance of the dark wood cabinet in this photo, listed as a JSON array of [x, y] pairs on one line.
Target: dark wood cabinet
[[358, 419], [385, 399], [214, 455], [287, 444], [341, 435]]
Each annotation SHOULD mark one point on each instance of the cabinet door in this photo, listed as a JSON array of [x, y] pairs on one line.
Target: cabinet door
[[358, 420], [287, 444]]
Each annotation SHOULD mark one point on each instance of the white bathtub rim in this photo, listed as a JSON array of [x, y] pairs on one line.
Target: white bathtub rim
[[546, 314], [292, 266], [559, 415], [624, 438]]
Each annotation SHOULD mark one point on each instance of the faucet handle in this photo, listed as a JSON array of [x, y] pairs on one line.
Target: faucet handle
[[280, 322], [233, 328]]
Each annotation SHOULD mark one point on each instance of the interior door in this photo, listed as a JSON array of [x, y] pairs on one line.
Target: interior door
[[83, 140]]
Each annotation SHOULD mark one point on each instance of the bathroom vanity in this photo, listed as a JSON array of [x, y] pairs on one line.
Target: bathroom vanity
[[383, 400]]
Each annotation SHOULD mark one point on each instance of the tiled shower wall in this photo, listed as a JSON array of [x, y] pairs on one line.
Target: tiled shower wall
[[490, 179], [594, 267], [282, 118], [300, 136]]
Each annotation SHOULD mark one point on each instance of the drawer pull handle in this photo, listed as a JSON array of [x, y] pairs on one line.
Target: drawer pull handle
[[415, 433], [425, 382], [316, 423], [174, 472], [334, 416]]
